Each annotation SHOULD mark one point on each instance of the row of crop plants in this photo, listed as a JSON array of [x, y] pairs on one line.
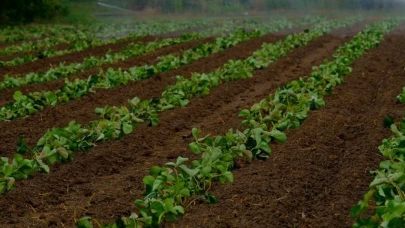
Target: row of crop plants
[[58, 144], [99, 30], [169, 186], [77, 34], [81, 39], [33, 32], [384, 203], [57, 36], [131, 50], [25, 105], [85, 41]]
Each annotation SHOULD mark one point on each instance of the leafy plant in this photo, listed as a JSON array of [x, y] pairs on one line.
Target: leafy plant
[[264, 123]]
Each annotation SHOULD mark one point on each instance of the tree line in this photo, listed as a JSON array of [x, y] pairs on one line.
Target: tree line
[[24, 11]]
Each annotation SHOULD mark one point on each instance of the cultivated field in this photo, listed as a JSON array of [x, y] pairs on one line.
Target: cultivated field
[[246, 122]]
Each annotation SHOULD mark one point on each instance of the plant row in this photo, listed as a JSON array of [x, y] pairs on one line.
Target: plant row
[[62, 35], [384, 202], [21, 33], [88, 42], [14, 34], [33, 102], [22, 168], [79, 33], [149, 27], [131, 50], [64, 70], [175, 184], [58, 144]]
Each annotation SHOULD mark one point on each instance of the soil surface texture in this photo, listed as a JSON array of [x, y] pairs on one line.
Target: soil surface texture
[[312, 180]]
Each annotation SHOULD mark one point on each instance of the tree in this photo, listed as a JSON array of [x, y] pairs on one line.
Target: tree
[[24, 11]]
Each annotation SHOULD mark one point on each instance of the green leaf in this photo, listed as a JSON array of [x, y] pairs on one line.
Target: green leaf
[[139, 202], [148, 180], [206, 170], [42, 165], [395, 130], [278, 135], [171, 217], [179, 209], [264, 147], [63, 152], [180, 160], [127, 128], [3, 185], [388, 121], [221, 168], [257, 133], [185, 192], [84, 222], [169, 204], [7, 170], [397, 222], [190, 172], [171, 164], [156, 184], [158, 207], [18, 96], [22, 147], [195, 132], [211, 199], [385, 164], [228, 176], [244, 113], [195, 148], [46, 150], [155, 170], [10, 183], [357, 210]]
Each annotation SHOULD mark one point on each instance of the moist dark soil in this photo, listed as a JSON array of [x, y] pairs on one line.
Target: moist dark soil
[[322, 171], [310, 181]]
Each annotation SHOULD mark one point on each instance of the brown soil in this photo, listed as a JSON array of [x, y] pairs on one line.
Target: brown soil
[[310, 181], [43, 64], [315, 178]]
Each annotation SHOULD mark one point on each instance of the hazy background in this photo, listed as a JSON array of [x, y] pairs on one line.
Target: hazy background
[[71, 11]]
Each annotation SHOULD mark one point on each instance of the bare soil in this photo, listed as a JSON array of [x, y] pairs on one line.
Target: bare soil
[[310, 181]]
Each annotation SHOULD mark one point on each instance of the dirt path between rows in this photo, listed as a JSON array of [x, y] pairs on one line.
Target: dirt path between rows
[[106, 188], [315, 178]]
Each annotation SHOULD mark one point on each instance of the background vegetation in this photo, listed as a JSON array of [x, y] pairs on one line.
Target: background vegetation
[[168, 6], [24, 11]]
